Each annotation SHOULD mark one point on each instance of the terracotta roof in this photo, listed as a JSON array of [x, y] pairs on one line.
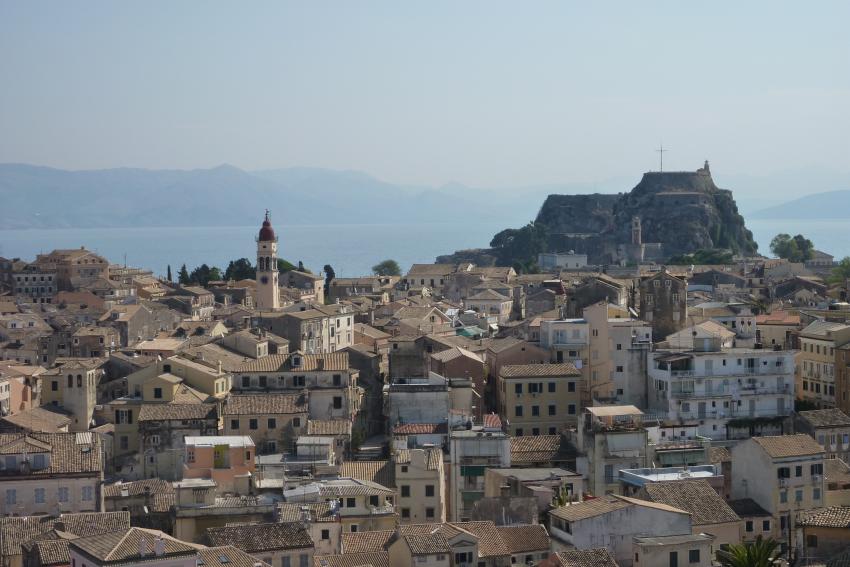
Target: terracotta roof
[[124, 545], [366, 542], [694, 496], [778, 317], [69, 452], [253, 538], [381, 472], [352, 487], [39, 419], [15, 531], [490, 542], [535, 370], [525, 538], [373, 559], [87, 524], [420, 429], [747, 507], [832, 417], [538, 448], [597, 557], [263, 404], [779, 446], [831, 517], [138, 487], [166, 412], [328, 427], [837, 474], [589, 508], [427, 544], [49, 552], [488, 295], [227, 555], [720, 455], [308, 363], [455, 352], [318, 511], [433, 458]]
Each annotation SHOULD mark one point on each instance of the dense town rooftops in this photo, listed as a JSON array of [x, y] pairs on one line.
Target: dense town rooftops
[[831, 417], [177, 412], [213, 440], [603, 505], [122, 546], [366, 559], [380, 472], [694, 496], [262, 404], [226, 555], [596, 557], [831, 517], [70, 453]]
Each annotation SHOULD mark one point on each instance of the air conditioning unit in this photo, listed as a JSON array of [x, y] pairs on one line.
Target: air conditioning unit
[[783, 482], [817, 478]]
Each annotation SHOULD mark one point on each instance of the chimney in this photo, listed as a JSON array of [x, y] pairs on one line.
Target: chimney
[[159, 546], [143, 547]]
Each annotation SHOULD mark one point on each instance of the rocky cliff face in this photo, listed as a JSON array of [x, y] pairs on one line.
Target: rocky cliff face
[[683, 211], [680, 212]]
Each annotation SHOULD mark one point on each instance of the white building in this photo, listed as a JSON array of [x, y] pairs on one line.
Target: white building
[[713, 386], [561, 260]]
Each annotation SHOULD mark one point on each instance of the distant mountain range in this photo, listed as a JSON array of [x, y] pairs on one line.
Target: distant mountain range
[[43, 197], [828, 205]]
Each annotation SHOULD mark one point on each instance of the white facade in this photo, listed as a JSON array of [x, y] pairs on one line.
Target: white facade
[[471, 451], [716, 387], [556, 260]]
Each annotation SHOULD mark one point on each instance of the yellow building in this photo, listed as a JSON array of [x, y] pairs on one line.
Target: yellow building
[[816, 361], [539, 399]]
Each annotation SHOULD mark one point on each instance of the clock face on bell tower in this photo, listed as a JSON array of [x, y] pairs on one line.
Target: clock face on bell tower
[[264, 279]]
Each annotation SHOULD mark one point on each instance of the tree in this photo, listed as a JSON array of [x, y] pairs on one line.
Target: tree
[[300, 266], [240, 269], [329, 276], [794, 249], [841, 272], [284, 266], [200, 275], [520, 247], [702, 257], [168, 274], [183, 275], [760, 553], [215, 275], [386, 268]]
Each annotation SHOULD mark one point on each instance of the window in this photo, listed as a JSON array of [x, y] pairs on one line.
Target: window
[[619, 346], [124, 416], [350, 503], [798, 496], [405, 491], [337, 402], [571, 409], [571, 386], [783, 496], [552, 387], [252, 423], [263, 381], [296, 422], [157, 393], [535, 411], [749, 526], [816, 494], [429, 490], [303, 560], [816, 468], [798, 471], [11, 496], [693, 556], [326, 534], [39, 461], [518, 388], [518, 411], [429, 513], [124, 442], [518, 432], [39, 496], [405, 513], [54, 385], [272, 424], [337, 379], [234, 424], [62, 495], [765, 526], [404, 468], [811, 541], [553, 431], [553, 410], [287, 562], [88, 493], [783, 472]]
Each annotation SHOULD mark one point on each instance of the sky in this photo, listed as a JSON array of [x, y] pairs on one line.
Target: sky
[[485, 93]]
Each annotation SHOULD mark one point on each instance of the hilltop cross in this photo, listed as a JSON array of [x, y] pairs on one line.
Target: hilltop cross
[[661, 151]]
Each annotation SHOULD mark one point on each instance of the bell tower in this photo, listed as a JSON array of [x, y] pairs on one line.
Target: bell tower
[[268, 291]]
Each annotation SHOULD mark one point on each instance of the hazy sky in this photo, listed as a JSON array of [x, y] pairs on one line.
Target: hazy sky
[[484, 93]]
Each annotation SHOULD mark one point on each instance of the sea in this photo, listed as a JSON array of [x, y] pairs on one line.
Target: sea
[[351, 249]]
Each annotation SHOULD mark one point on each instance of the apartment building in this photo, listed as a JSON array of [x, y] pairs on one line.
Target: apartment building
[[72, 386], [713, 386], [539, 399], [816, 375], [419, 477], [784, 474], [664, 303], [471, 452], [829, 427], [274, 421]]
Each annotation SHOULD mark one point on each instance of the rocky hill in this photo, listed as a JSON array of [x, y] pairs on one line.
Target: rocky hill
[[674, 213]]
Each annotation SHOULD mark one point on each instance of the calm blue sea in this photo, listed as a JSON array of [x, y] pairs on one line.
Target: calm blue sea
[[351, 249]]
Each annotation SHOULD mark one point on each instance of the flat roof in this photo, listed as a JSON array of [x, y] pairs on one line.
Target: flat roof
[[213, 440], [606, 411], [639, 477]]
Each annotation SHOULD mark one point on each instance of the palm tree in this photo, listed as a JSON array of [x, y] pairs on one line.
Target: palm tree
[[761, 553]]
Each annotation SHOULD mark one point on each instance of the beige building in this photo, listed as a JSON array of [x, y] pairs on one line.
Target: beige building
[[539, 398], [273, 421], [829, 427], [816, 373], [72, 386], [426, 550], [784, 474], [664, 303], [758, 522], [42, 473], [691, 550], [73, 268], [277, 544], [420, 480]]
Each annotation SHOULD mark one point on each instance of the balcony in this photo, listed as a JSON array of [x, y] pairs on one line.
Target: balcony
[[384, 510]]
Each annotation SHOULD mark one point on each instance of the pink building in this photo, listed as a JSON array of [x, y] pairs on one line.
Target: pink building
[[228, 460]]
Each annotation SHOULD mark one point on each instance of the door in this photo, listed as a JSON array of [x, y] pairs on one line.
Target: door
[[780, 406], [674, 559], [752, 408], [701, 410]]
